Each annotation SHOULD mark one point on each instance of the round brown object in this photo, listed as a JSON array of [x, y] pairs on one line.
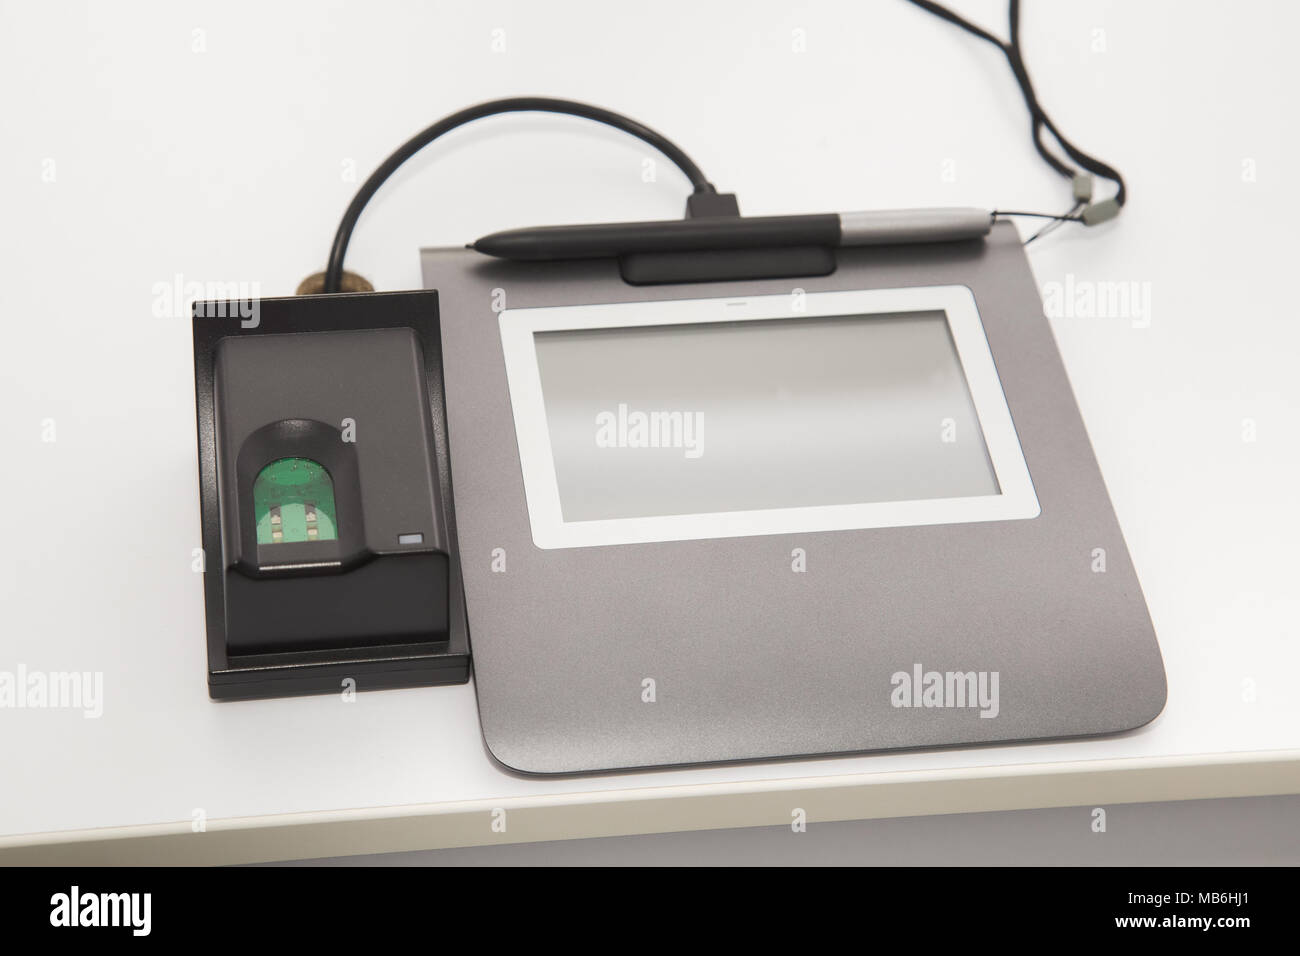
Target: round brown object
[[314, 284]]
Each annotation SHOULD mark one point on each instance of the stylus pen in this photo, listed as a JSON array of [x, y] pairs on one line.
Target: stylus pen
[[602, 240]]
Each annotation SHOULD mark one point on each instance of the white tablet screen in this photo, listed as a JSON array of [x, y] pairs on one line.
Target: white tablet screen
[[741, 416], [684, 419]]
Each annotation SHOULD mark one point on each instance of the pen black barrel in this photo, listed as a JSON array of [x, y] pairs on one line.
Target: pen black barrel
[[686, 235]]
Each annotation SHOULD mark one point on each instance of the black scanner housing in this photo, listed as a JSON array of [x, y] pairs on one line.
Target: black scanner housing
[[352, 383]]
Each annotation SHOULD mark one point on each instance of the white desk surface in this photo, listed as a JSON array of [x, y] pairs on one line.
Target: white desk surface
[[223, 155]]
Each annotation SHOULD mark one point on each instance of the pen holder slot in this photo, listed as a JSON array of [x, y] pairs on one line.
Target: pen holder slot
[[723, 265]]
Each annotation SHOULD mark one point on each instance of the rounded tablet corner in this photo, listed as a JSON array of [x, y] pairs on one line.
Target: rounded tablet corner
[[1154, 706], [511, 761], [1158, 705]]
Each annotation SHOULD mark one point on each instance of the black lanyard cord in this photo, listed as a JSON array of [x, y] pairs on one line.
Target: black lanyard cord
[[1038, 116]]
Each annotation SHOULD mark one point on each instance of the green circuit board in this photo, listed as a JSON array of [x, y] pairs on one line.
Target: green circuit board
[[293, 500]]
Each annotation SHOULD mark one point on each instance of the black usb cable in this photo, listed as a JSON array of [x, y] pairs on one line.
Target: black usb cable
[[705, 195], [1084, 210], [518, 104]]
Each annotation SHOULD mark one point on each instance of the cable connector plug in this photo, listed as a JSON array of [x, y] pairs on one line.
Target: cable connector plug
[[1082, 184], [706, 205], [1100, 212]]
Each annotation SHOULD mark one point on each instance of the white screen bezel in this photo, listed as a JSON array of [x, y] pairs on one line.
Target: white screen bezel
[[1016, 500]]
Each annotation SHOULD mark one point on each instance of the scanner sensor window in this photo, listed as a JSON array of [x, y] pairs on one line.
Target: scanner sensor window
[[293, 500]]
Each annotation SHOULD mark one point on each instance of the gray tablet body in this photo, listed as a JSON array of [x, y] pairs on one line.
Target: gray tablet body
[[740, 520]]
